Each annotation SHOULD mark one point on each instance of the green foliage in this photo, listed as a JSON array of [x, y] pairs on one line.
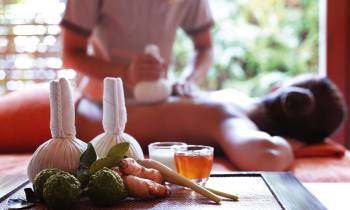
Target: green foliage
[[89, 164], [258, 43], [86, 159], [118, 151], [115, 154]]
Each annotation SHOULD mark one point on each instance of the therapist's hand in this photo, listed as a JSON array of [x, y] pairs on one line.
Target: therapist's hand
[[145, 68], [185, 89]]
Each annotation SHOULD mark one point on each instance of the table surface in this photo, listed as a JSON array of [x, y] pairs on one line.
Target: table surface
[[332, 195]]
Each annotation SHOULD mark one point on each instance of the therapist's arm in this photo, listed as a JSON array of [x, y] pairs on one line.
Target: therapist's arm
[[141, 67], [198, 69], [203, 58], [75, 57]]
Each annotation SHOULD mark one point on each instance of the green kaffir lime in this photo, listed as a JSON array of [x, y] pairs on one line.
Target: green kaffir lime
[[61, 191], [41, 178], [106, 188]]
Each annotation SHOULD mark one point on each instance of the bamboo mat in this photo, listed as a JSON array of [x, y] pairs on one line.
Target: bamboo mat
[[253, 193]]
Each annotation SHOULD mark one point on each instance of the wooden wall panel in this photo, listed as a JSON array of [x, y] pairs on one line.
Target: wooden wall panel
[[338, 54]]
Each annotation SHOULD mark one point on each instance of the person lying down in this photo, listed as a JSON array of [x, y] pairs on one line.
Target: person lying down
[[252, 132]]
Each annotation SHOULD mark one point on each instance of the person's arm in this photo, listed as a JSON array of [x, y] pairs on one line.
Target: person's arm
[[75, 57], [251, 149], [203, 58], [142, 67], [199, 66]]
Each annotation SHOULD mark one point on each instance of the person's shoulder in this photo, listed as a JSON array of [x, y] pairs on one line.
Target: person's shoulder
[[229, 95]]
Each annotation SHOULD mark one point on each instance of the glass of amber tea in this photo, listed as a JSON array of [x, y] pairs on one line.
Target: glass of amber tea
[[194, 162]]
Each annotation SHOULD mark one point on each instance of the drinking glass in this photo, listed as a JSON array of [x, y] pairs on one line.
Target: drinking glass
[[194, 162], [164, 152]]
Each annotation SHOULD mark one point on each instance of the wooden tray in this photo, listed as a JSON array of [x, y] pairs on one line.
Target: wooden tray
[[265, 190]]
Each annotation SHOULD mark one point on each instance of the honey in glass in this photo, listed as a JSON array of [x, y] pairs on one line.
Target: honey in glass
[[194, 162]]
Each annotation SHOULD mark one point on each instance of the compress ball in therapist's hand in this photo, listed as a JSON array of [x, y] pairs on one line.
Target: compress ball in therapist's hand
[[152, 91]]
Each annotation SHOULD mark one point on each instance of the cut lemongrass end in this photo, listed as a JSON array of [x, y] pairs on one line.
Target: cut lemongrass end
[[223, 194]]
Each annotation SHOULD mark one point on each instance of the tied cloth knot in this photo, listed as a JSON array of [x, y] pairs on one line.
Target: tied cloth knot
[[62, 115], [114, 110]]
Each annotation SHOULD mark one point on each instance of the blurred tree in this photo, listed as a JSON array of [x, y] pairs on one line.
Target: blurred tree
[[258, 43]]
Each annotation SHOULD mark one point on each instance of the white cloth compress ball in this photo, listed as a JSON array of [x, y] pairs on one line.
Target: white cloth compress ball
[[152, 91], [63, 151], [114, 120]]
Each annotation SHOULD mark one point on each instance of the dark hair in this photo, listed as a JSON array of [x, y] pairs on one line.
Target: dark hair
[[309, 108]]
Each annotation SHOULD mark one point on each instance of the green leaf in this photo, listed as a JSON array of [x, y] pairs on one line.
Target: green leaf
[[115, 154], [108, 162], [86, 159], [119, 150]]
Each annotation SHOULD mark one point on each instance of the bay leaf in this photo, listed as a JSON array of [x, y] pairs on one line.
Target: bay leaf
[[86, 159], [88, 156], [108, 162], [119, 150], [115, 154], [31, 197]]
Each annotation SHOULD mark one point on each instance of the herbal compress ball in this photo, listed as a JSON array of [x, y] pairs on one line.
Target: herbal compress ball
[[106, 188], [61, 191], [41, 178]]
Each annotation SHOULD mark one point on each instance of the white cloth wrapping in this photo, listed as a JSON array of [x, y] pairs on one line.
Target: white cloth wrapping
[[56, 153], [62, 122], [63, 151], [152, 49], [114, 120], [114, 110], [149, 92]]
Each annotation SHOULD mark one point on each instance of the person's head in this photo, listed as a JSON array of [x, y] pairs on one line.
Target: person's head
[[308, 108]]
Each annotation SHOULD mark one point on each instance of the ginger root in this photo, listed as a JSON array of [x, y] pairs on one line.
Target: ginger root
[[129, 166], [141, 182], [144, 188]]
